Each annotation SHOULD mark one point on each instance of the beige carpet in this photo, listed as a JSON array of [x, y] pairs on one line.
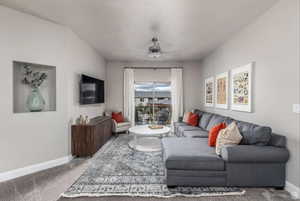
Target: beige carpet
[[48, 185]]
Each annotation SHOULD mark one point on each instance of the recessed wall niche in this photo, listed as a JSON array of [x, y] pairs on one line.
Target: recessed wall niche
[[34, 87]]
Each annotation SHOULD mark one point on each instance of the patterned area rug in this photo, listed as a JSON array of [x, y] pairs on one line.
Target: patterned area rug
[[117, 170]]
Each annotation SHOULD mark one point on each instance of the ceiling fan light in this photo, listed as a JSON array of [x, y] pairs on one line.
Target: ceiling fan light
[[154, 50], [154, 54]]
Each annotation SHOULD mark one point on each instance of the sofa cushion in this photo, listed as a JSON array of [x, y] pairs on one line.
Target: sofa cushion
[[196, 133], [176, 124], [199, 112], [194, 154], [204, 120], [181, 129], [228, 120], [254, 134], [188, 128], [215, 120], [123, 124]]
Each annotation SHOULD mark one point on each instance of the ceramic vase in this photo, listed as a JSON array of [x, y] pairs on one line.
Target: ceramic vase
[[35, 101]]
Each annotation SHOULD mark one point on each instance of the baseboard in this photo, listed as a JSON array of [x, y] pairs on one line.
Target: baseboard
[[5, 176], [292, 189]]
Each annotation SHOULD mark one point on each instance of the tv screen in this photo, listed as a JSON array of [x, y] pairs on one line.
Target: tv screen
[[91, 90]]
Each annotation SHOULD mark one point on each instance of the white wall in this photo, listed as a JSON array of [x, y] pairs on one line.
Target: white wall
[[114, 84], [32, 138], [272, 41], [152, 75]]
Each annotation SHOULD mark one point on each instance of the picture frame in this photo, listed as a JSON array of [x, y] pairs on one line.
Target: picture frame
[[241, 88], [209, 92], [222, 90]]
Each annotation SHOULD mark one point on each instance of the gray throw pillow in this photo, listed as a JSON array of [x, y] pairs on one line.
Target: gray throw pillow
[[254, 134], [215, 120], [204, 120]]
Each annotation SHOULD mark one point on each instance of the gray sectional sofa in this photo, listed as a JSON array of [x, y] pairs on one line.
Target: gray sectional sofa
[[258, 161]]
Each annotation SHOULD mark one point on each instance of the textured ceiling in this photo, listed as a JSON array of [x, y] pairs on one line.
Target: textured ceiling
[[122, 29]]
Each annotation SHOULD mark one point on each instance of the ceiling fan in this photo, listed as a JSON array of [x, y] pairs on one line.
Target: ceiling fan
[[154, 51]]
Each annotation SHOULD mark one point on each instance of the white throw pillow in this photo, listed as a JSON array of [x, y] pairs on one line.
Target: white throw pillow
[[228, 136], [186, 117]]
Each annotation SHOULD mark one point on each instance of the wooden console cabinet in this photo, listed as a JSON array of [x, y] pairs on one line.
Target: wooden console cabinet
[[88, 139]]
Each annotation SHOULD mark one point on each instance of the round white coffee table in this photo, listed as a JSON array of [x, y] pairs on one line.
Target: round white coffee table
[[147, 139]]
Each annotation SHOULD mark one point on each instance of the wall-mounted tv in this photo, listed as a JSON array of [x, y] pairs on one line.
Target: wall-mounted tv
[[91, 90]]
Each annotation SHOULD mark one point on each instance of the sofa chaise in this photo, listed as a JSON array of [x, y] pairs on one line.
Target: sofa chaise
[[258, 161]]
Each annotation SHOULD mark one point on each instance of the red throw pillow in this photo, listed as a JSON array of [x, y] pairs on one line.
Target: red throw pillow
[[118, 117], [193, 119], [214, 132]]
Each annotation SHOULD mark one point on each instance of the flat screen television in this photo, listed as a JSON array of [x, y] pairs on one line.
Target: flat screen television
[[91, 90]]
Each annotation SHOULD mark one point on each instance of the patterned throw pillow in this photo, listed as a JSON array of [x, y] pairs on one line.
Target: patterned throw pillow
[[228, 136]]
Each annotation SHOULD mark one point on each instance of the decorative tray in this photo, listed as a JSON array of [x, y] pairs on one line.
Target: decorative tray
[[155, 126]]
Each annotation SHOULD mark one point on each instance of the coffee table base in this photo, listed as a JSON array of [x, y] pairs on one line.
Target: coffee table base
[[146, 144]]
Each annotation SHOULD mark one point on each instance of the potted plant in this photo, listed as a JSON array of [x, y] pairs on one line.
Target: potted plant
[[35, 101]]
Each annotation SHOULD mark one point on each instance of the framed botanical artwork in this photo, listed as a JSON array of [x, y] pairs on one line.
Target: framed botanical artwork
[[221, 91], [209, 92], [241, 94]]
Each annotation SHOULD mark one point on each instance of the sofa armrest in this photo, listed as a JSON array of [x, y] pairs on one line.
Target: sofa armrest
[[277, 140], [254, 154], [114, 121], [114, 125]]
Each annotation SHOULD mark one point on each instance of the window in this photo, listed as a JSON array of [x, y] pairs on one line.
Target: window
[[153, 103]]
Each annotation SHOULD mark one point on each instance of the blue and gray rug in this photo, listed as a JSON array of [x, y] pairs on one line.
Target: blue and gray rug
[[117, 170]]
